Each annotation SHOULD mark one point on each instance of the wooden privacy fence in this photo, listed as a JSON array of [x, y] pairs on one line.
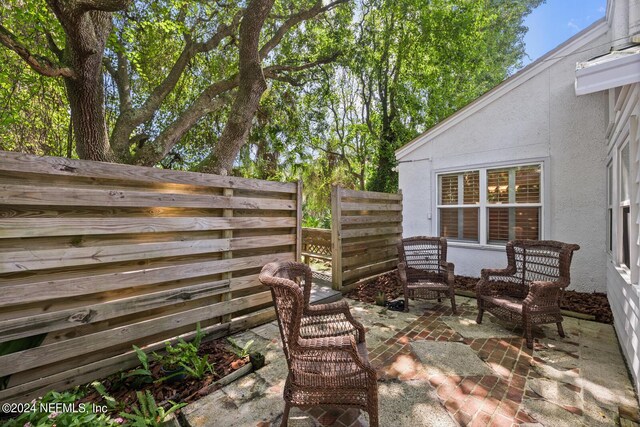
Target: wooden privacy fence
[[95, 257], [316, 243], [366, 227]]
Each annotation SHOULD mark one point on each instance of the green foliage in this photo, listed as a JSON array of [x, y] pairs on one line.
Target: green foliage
[[184, 355], [62, 409], [142, 375], [108, 399], [238, 350], [34, 116], [147, 412], [402, 66]]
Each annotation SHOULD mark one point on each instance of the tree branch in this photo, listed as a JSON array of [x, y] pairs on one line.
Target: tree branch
[[53, 47], [40, 64], [102, 5], [208, 101], [294, 20], [272, 71], [130, 119]]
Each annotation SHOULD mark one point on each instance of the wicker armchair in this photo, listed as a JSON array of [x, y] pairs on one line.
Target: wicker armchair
[[530, 288], [424, 271], [326, 366]]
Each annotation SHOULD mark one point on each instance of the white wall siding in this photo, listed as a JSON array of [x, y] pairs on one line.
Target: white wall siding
[[625, 305], [623, 290]]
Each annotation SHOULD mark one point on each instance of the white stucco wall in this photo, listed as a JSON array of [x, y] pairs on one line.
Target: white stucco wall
[[541, 120]]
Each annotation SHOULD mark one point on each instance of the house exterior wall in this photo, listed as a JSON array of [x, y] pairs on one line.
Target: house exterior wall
[[540, 120], [622, 281]]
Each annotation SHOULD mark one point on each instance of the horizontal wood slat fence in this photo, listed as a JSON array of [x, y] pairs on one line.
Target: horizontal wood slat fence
[[96, 257], [366, 227]]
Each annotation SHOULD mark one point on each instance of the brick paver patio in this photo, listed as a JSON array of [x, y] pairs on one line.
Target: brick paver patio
[[438, 369]]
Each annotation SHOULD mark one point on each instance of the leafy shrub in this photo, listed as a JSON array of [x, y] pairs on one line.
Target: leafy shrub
[[185, 355], [238, 350], [72, 413], [147, 412]]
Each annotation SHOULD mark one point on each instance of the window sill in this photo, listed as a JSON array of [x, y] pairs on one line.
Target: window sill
[[624, 273], [466, 245]]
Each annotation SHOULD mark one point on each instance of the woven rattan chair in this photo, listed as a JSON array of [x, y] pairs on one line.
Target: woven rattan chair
[[528, 291], [326, 366], [424, 271]]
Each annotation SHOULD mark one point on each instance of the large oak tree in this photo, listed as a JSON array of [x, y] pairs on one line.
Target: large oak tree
[[227, 52]]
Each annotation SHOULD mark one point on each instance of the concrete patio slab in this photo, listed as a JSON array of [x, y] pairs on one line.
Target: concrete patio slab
[[489, 328], [556, 392], [551, 415], [432, 374], [410, 404], [449, 358]]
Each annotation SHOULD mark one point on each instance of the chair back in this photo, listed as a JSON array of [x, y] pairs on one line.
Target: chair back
[[287, 297], [423, 256], [541, 260]]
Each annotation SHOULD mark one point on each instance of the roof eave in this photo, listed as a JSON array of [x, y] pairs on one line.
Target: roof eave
[[607, 75]]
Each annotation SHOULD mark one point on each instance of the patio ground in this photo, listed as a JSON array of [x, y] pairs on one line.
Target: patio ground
[[439, 369]]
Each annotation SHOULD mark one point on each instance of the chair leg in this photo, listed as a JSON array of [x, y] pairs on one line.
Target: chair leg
[[480, 311], [560, 330], [285, 415], [373, 418], [373, 408], [453, 303], [406, 302], [528, 333]]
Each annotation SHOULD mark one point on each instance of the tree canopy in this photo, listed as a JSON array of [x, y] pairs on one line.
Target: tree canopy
[[279, 89]]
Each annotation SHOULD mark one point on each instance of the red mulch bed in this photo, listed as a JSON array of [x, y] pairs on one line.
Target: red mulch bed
[[186, 390], [594, 304]]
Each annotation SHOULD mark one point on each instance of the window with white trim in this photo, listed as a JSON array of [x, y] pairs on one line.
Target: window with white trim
[[491, 205], [625, 205], [459, 203]]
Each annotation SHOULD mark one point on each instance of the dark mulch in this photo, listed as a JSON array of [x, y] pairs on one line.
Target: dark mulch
[[186, 390], [594, 304]]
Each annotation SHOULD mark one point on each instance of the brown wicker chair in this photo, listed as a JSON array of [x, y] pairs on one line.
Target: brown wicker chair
[[327, 366], [529, 289], [424, 271]]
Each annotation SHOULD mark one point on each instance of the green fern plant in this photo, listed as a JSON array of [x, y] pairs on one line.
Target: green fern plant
[[238, 350], [143, 375], [147, 413]]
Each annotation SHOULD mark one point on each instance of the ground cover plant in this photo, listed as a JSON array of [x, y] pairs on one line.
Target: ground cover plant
[[144, 396], [590, 304]]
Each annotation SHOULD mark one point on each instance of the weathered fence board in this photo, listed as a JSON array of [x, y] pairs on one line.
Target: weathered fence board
[[366, 227], [96, 257]]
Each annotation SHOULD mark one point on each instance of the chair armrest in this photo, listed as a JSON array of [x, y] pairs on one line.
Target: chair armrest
[[448, 268], [486, 273], [332, 316], [326, 349], [491, 280], [542, 293], [329, 308], [402, 273]]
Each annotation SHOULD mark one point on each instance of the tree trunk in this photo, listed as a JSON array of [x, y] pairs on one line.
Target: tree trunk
[[251, 87], [87, 114], [84, 54]]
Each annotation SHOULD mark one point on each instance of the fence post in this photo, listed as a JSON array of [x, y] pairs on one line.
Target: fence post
[[299, 222], [227, 234], [336, 238]]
